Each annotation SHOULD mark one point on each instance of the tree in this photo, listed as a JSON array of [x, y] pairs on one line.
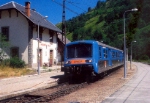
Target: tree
[[97, 35], [89, 9], [3, 45], [99, 4]]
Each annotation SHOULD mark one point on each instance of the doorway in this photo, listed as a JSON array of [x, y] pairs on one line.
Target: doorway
[[40, 57], [51, 58]]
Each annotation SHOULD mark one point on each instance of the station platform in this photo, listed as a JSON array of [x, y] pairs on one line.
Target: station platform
[[137, 90], [10, 87]]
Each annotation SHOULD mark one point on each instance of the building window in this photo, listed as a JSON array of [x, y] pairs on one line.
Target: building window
[[51, 33], [40, 36], [5, 32], [15, 52], [51, 38]]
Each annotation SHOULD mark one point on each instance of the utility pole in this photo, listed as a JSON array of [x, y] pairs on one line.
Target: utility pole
[[63, 22], [125, 64], [63, 27]]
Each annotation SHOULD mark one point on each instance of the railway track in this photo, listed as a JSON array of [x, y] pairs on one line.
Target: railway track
[[49, 94], [46, 95]]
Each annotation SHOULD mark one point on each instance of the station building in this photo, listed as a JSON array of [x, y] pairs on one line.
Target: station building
[[20, 25]]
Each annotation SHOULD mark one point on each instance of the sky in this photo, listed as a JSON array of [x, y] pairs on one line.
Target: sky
[[53, 8]]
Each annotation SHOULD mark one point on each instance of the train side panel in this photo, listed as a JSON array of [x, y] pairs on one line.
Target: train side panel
[[95, 57], [103, 59], [109, 58]]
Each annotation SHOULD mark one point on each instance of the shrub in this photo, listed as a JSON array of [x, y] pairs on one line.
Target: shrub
[[15, 62], [5, 62], [144, 57], [149, 61]]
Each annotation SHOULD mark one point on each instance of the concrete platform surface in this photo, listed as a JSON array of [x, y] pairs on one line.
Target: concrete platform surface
[[10, 87], [137, 90]]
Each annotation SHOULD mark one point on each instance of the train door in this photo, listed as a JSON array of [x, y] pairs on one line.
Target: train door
[[100, 62], [110, 57], [51, 58], [105, 51]]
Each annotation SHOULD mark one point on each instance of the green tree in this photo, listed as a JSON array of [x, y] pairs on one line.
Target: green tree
[[98, 35], [3, 45], [99, 4], [89, 9]]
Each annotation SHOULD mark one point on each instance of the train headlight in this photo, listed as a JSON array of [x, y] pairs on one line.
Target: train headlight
[[88, 61], [67, 62]]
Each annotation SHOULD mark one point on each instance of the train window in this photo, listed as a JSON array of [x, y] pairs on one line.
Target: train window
[[71, 52], [113, 54], [100, 54], [118, 54], [105, 53], [79, 51]]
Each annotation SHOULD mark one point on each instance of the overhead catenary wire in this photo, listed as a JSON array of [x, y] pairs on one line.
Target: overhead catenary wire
[[76, 7], [73, 3], [65, 7]]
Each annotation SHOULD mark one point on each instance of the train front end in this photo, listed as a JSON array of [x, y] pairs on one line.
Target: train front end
[[79, 59]]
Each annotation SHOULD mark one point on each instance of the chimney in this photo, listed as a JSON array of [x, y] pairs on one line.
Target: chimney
[[27, 8]]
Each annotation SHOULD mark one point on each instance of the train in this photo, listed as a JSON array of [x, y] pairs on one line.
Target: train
[[89, 58]]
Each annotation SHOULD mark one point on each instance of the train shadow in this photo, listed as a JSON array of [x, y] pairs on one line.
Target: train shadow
[[57, 76], [105, 74], [80, 79], [60, 78], [63, 79], [109, 72]]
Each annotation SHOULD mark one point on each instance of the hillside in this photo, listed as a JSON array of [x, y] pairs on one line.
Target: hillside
[[105, 23]]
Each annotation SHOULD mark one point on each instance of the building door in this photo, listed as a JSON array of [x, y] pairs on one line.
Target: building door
[[15, 52], [51, 58], [40, 57]]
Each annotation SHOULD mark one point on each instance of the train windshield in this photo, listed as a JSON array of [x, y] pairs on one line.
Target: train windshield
[[79, 51]]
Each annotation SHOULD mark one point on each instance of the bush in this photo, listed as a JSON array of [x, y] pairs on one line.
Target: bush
[[148, 61], [5, 62], [15, 62], [144, 57]]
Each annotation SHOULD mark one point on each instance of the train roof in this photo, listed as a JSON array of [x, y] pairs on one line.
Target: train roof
[[99, 43], [105, 45]]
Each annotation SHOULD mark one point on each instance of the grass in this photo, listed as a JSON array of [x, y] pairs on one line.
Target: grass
[[6, 72], [143, 61]]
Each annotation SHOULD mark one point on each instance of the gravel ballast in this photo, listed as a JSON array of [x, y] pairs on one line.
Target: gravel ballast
[[98, 91]]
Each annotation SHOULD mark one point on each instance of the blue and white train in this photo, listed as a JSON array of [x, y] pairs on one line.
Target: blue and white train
[[89, 57]]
